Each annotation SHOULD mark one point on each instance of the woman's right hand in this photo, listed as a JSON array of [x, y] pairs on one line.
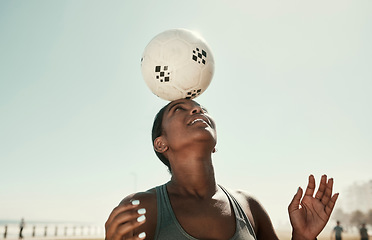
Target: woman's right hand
[[124, 220]]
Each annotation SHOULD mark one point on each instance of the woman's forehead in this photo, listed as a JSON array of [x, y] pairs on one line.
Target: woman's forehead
[[182, 101]]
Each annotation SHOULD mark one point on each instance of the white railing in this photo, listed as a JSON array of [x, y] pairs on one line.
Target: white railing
[[52, 231]]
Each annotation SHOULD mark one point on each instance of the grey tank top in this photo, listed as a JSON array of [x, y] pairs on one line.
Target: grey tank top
[[168, 228]]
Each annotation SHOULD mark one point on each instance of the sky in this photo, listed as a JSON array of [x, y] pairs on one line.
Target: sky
[[291, 96]]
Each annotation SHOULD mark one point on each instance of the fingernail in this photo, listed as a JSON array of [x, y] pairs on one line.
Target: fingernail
[[142, 235], [141, 218], [135, 202], [141, 211]]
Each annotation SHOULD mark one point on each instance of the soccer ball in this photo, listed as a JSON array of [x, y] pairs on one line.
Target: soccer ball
[[177, 64]]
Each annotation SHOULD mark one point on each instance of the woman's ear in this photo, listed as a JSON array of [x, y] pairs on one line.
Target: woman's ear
[[160, 144]]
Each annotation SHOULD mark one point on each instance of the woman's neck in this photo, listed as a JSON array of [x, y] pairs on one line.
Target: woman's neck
[[193, 176]]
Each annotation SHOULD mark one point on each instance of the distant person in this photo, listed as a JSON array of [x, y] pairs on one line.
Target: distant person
[[33, 231], [338, 231], [21, 226], [363, 232], [6, 231]]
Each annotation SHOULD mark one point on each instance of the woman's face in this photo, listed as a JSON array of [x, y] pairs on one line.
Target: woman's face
[[185, 122]]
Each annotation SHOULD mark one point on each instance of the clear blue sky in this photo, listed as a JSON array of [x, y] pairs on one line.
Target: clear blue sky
[[291, 95]]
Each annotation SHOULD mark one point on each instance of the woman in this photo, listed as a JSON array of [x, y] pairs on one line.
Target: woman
[[192, 205]]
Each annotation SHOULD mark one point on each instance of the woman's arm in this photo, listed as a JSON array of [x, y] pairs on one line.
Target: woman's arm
[[264, 226], [257, 215]]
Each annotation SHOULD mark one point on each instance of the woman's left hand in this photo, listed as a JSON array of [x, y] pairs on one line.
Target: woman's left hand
[[310, 215]]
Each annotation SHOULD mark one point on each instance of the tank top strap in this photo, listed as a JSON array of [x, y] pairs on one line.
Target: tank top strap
[[239, 210], [162, 206]]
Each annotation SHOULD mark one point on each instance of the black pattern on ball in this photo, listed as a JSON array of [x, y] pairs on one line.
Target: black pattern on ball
[[193, 93], [199, 56], [163, 73]]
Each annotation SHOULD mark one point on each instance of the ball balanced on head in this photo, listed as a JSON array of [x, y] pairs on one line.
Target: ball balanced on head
[[177, 64]]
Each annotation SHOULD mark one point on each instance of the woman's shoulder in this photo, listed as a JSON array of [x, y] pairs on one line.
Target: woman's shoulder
[[145, 197], [256, 213], [252, 207]]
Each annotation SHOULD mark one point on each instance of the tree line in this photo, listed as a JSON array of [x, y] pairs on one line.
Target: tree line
[[353, 219]]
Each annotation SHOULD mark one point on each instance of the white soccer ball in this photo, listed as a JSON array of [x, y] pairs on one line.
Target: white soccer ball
[[177, 64]]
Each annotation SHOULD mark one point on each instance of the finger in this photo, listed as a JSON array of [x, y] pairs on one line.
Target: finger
[[123, 218], [123, 214], [142, 235], [121, 208], [138, 237], [128, 227], [295, 203], [331, 204], [328, 192], [310, 186], [322, 186]]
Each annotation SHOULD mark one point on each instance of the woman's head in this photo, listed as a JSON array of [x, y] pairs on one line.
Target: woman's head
[[181, 124]]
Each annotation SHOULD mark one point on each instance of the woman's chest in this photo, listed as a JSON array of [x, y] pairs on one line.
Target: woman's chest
[[206, 219]]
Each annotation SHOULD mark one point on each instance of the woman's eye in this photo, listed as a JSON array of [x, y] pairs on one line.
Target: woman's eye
[[178, 109]]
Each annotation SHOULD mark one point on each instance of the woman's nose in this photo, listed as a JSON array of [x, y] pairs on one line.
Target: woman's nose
[[197, 109]]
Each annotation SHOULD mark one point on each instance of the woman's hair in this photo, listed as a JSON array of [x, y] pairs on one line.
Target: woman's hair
[[157, 131]]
